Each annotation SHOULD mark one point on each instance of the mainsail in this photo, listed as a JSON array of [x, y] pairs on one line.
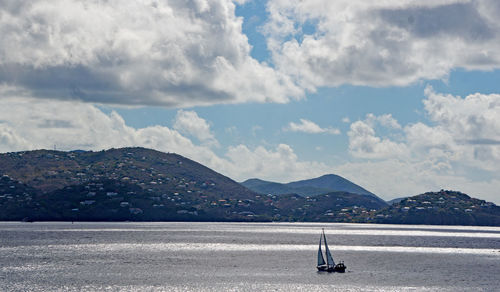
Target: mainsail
[[321, 259], [329, 258]]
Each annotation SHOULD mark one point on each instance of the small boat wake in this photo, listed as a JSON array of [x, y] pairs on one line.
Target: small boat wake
[[329, 265]]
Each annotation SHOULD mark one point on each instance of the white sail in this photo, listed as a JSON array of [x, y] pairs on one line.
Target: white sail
[[329, 259], [321, 260]]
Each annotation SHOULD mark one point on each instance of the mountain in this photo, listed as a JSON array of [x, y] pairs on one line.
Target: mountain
[[130, 183], [310, 187], [440, 208], [268, 187], [48, 170], [332, 182], [138, 184]]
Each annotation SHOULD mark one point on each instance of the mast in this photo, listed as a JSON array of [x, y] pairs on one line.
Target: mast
[[321, 259], [329, 259]]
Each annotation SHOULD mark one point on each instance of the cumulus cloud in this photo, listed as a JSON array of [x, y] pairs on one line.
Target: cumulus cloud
[[464, 131], [9, 140], [381, 43], [186, 53], [175, 53], [467, 130], [364, 143], [30, 123], [307, 126], [461, 141], [477, 116], [188, 122], [279, 164], [393, 178], [386, 120]]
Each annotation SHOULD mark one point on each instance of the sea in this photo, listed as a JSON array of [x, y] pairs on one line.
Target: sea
[[187, 256]]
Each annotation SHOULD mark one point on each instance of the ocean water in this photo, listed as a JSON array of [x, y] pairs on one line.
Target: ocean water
[[245, 257]]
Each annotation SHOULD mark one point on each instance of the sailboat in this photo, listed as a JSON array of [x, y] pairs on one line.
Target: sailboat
[[329, 265]]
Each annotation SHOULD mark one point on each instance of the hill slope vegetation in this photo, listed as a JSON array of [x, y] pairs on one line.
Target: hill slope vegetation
[[135, 184], [139, 184], [442, 208]]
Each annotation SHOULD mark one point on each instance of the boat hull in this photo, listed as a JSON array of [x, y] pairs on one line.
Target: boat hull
[[339, 268], [324, 268]]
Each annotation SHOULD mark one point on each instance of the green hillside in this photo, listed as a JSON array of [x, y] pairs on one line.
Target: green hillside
[[148, 184], [442, 208], [138, 184]]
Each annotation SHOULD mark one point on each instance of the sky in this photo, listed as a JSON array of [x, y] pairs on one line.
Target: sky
[[400, 97]]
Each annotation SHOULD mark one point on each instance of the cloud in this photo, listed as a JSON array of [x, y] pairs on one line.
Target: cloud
[[187, 53], [466, 129], [279, 164], [307, 126], [9, 140], [393, 178], [175, 53], [482, 141], [473, 117], [31, 123], [381, 43], [188, 122], [363, 143], [387, 121], [459, 149]]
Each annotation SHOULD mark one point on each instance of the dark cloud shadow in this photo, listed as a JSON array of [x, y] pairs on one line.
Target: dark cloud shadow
[[456, 20], [482, 141], [102, 86]]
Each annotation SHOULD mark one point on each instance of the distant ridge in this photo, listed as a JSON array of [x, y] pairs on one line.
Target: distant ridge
[[396, 200], [268, 187], [309, 187], [333, 182]]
